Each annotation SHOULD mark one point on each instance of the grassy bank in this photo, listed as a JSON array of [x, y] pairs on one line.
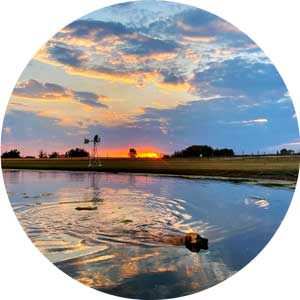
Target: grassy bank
[[281, 168]]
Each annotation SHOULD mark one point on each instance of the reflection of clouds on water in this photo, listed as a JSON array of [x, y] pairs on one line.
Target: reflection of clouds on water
[[118, 248], [259, 202]]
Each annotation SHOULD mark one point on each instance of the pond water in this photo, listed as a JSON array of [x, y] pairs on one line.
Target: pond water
[[116, 247]]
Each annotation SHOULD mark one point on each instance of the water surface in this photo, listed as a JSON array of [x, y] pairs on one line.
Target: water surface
[[115, 248]]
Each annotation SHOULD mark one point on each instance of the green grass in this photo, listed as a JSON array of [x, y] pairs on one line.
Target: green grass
[[268, 167]]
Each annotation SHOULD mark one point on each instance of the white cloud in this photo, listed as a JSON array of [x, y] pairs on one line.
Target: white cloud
[[294, 145], [248, 122]]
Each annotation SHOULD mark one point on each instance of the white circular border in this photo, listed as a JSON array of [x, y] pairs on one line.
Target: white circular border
[[25, 26]]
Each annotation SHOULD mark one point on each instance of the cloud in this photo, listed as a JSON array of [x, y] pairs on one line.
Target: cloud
[[65, 55], [147, 46], [194, 19], [207, 122], [45, 92], [197, 25], [197, 39], [239, 77], [294, 145], [116, 52], [135, 59], [248, 122], [91, 99], [138, 12], [31, 132], [126, 76], [173, 81], [96, 29]]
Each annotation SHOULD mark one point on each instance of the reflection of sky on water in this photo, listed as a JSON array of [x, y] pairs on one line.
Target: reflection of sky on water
[[116, 248]]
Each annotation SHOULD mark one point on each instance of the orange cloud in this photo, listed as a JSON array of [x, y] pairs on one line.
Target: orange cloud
[[50, 92], [75, 41], [139, 110], [203, 39], [105, 98], [133, 77], [45, 98]]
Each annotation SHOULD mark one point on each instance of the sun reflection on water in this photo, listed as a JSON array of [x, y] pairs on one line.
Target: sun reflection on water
[[117, 247]]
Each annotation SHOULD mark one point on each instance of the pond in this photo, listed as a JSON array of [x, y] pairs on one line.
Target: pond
[[115, 247]]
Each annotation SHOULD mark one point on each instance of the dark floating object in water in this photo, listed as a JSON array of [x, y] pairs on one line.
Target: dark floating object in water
[[86, 207], [194, 242]]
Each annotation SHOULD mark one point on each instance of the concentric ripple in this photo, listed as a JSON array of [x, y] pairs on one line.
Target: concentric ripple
[[105, 229]]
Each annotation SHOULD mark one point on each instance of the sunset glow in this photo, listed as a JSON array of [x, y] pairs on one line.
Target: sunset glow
[[148, 155], [157, 76]]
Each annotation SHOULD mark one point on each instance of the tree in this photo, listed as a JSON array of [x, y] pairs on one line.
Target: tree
[[203, 151], [223, 152], [284, 151], [11, 154], [54, 155], [42, 154], [132, 153], [77, 152]]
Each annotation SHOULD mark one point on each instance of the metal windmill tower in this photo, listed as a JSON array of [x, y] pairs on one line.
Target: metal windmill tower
[[94, 159]]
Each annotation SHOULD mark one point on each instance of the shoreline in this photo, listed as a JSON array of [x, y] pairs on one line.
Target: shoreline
[[269, 182], [282, 171]]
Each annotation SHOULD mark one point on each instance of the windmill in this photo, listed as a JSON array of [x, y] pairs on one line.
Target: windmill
[[94, 159]]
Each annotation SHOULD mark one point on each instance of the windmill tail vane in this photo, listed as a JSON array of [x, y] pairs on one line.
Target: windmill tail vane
[[94, 159]]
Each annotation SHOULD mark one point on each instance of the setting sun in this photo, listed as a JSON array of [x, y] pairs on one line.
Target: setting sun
[[149, 155]]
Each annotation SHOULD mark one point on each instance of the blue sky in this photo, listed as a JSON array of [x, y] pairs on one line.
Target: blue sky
[[154, 75]]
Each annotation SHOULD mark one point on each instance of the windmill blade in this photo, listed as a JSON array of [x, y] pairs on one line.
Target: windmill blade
[[86, 141]]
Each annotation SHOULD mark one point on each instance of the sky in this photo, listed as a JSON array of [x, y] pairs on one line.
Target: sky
[[151, 75]]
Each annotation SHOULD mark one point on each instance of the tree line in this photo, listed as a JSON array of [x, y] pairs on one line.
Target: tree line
[[203, 151], [191, 151], [77, 152]]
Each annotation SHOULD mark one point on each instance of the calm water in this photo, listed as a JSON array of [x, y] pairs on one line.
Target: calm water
[[115, 249]]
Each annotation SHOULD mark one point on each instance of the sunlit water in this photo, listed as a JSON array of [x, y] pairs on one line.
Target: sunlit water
[[115, 248]]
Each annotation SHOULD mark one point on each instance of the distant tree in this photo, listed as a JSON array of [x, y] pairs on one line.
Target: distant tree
[[11, 154], [54, 155], [285, 151], [42, 154], [77, 152], [166, 156], [132, 153], [203, 151], [195, 151], [223, 152], [29, 156]]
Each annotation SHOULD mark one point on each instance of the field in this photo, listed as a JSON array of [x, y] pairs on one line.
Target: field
[[263, 167]]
